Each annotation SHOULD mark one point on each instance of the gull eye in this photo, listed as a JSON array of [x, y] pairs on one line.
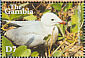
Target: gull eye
[[52, 19]]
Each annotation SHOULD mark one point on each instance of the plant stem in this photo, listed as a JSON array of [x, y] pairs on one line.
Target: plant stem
[[61, 30]]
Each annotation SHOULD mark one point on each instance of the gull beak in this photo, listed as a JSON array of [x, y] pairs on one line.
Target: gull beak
[[63, 22]]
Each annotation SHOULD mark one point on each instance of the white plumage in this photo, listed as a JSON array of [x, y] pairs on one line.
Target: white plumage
[[32, 33]]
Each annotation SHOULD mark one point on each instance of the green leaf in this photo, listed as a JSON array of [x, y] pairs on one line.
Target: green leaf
[[11, 16], [35, 54], [69, 23], [60, 38], [57, 6], [24, 4], [59, 34], [82, 16], [46, 11], [14, 16], [2, 3], [75, 22], [61, 29], [70, 41], [5, 16], [61, 4], [47, 37], [22, 51], [57, 53], [68, 6], [5, 42], [30, 17]]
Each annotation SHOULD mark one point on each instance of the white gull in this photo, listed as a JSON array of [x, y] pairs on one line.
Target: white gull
[[32, 33]]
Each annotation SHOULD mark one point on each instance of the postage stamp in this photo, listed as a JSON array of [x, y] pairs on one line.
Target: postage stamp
[[42, 29]]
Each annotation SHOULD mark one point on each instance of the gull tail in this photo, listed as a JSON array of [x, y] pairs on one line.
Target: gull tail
[[9, 34]]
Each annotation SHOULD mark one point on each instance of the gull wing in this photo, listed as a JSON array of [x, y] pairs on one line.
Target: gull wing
[[23, 23], [29, 35]]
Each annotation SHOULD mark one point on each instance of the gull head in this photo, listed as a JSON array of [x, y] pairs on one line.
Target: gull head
[[51, 19]]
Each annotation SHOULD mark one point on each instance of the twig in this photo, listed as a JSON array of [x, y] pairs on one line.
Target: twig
[[48, 51], [3, 28], [58, 47], [79, 18], [34, 7], [51, 39], [61, 30], [51, 42]]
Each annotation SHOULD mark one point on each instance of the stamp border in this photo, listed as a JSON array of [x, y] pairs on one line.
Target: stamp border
[[42, 1], [84, 29], [46, 2]]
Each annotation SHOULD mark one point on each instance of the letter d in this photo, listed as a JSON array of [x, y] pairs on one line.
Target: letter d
[[7, 49]]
